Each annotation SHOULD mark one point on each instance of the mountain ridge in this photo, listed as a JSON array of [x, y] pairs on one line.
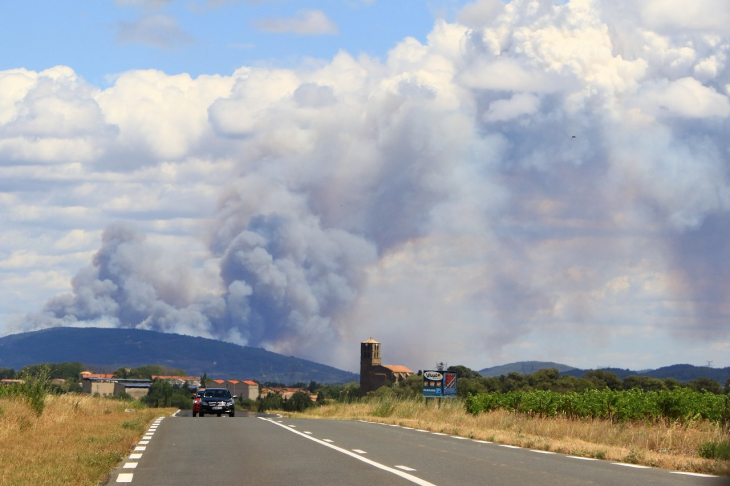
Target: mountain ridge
[[680, 372], [112, 348]]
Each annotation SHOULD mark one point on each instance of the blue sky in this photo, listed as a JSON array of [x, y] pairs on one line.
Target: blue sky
[[200, 37], [470, 182]]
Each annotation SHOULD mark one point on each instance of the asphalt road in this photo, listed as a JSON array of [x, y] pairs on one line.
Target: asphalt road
[[269, 450]]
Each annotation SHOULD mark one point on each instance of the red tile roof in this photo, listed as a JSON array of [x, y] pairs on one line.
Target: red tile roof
[[398, 369]]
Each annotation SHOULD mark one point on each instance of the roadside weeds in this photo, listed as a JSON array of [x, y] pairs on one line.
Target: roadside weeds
[[78, 439], [669, 446]]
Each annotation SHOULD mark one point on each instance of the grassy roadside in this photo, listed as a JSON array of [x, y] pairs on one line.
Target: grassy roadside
[[672, 446], [78, 439]]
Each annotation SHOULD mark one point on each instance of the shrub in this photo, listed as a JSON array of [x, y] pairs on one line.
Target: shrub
[[715, 450], [298, 402], [270, 402], [34, 389]]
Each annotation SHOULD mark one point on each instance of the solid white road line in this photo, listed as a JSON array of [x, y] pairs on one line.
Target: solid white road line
[[630, 465], [405, 468], [694, 474], [125, 478], [404, 475], [328, 440], [359, 451]]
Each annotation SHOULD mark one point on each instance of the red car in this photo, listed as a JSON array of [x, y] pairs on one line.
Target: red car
[[196, 402]]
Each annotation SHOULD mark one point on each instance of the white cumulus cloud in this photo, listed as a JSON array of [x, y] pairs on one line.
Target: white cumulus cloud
[[535, 178]]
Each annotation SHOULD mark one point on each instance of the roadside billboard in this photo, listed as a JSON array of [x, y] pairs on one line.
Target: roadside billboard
[[438, 384]]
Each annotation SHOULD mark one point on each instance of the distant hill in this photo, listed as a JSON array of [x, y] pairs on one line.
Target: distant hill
[[109, 349], [680, 372], [524, 368]]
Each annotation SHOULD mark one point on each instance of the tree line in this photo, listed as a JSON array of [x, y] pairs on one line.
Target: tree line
[[470, 382]]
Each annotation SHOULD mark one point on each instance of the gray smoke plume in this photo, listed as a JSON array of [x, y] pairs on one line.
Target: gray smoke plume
[[535, 175]]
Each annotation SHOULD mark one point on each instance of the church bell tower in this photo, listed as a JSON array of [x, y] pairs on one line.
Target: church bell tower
[[369, 358]]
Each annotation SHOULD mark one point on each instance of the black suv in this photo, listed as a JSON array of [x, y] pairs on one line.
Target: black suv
[[217, 401]]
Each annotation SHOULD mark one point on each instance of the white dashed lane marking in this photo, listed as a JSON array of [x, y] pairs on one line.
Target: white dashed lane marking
[[125, 478], [509, 446], [630, 465], [141, 446], [581, 458], [356, 453], [694, 474], [541, 452]]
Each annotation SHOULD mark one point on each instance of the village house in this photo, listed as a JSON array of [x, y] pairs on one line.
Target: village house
[[108, 385], [244, 389]]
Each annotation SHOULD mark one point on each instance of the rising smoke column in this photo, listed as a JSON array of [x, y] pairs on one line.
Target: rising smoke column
[[532, 168]]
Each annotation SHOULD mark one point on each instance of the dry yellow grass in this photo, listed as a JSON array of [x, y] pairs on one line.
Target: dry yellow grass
[[671, 447], [77, 440]]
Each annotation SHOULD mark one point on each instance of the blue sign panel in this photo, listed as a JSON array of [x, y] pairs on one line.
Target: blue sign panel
[[437, 384], [433, 383]]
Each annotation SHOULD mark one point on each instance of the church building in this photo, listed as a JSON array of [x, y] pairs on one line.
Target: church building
[[373, 374]]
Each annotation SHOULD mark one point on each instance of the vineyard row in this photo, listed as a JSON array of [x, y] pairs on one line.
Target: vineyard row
[[681, 404]]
